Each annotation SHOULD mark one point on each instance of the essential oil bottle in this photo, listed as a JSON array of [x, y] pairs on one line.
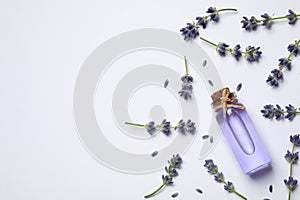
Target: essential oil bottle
[[240, 132]]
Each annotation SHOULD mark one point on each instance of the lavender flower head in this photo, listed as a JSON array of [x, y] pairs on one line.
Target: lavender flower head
[[202, 21], [291, 112], [285, 63], [252, 53], [175, 161], [219, 177], [188, 127], [150, 127], [295, 139], [186, 87], [214, 15], [266, 20], [292, 157], [236, 52], [292, 17], [187, 79], [190, 31], [274, 78], [167, 180], [221, 48], [229, 187], [294, 49], [186, 91], [249, 24], [165, 127], [291, 183], [171, 171]]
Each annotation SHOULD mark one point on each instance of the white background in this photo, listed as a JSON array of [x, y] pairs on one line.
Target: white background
[[43, 45]]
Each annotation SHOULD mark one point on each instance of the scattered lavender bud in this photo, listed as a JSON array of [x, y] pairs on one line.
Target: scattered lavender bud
[[271, 188], [154, 153], [199, 191], [175, 195], [204, 63], [204, 137], [239, 87], [211, 83], [166, 83], [211, 139]]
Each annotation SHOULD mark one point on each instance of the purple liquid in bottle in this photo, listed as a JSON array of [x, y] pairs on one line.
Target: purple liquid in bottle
[[243, 139]]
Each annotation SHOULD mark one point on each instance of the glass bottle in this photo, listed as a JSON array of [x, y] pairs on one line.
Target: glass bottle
[[240, 132]]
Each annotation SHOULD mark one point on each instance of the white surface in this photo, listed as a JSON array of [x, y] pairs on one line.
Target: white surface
[[43, 45]]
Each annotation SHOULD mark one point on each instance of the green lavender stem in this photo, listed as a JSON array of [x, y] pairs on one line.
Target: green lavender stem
[[209, 42], [289, 57], [186, 67], [226, 9], [235, 192], [221, 10], [291, 171], [155, 192], [274, 18], [240, 195], [143, 125], [135, 124], [216, 45]]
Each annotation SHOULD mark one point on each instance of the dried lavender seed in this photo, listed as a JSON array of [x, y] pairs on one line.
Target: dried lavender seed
[[199, 190], [239, 87], [204, 137], [266, 199], [166, 83], [204, 63], [211, 83], [271, 188], [154, 153], [211, 139], [175, 195]]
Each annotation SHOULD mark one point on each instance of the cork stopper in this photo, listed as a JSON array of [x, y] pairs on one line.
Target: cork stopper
[[223, 99]]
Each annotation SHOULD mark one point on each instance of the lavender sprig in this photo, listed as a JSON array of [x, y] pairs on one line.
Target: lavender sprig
[[187, 80], [251, 24], [165, 127], [292, 157], [171, 172], [191, 31], [219, 177], [251, 53], [284, 63], [269, 111]]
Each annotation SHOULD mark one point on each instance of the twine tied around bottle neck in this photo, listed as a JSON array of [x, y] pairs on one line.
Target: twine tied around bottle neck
[[224, 99]]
